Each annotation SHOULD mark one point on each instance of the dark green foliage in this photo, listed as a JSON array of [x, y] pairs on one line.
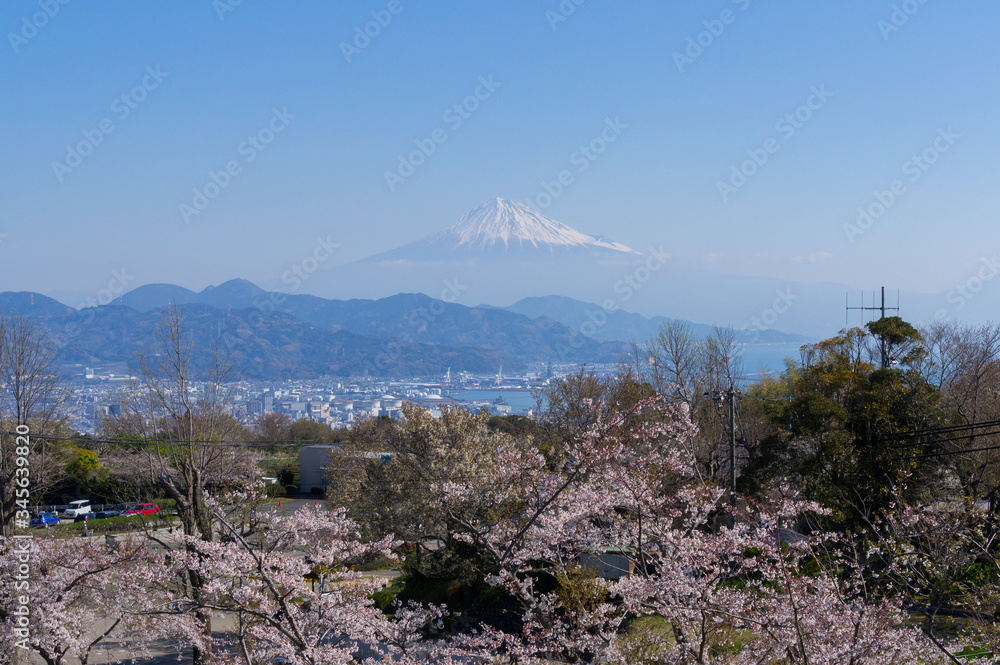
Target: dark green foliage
[[123, 524], [312, 432], [515, 425], [832, 442]]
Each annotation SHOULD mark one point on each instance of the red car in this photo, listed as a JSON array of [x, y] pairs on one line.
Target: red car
[[143, 509]]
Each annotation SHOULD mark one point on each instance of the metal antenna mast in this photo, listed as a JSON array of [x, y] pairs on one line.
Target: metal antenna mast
[[881, 309]]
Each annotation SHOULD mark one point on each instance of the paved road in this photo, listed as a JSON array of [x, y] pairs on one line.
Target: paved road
[[291, 505]]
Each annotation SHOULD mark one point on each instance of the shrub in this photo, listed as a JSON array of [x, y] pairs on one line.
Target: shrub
[[579, 591], [121, 524]]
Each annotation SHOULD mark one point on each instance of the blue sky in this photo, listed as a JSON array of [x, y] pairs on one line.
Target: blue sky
[[887, 96]]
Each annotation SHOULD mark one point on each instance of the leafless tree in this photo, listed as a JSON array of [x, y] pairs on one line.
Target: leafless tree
[[273, 426], [675, 361], [722, 360], [30, 397], [697, 372], [177, 409], [965, 364], [942, 343]]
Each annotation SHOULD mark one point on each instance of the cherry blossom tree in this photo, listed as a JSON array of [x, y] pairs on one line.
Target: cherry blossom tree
[[80, 594], [724, 586], [290, 590], [179, 401], [741, 589]]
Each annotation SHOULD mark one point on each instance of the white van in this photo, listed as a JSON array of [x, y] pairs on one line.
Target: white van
[[80, 507]]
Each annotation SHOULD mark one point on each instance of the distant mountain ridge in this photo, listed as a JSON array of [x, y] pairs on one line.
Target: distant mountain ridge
[[623, 326], [28, 303], [153, 296], [278, 335], [394, 315], [506, 252], [274, 347], [406, 316]]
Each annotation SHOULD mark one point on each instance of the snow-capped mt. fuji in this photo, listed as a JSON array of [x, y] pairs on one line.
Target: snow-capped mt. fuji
[[501, 227]]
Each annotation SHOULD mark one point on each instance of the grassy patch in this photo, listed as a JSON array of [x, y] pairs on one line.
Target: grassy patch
[[378, 563]]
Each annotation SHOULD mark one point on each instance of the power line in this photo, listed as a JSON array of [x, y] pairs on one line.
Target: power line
[[945, 429], [963, 432], [970, 430], [935, 441], [947, 453]]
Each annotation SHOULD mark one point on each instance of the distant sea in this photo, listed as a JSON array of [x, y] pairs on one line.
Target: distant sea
[[757, 358], [520, 400], [769, 358]]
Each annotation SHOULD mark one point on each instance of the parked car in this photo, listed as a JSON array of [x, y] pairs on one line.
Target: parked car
[[77, 508], [105, 514], [45, 519], [143, 509], [85, 517]]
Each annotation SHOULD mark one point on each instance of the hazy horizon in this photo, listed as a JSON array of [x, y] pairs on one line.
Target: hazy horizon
[[813, 147]]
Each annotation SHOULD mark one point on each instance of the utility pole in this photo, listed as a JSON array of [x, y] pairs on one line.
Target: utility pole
[[719, 397], [882, 309], [731, 394]]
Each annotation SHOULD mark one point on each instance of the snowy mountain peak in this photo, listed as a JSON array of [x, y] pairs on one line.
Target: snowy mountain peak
[[500, 221], [502, 226]]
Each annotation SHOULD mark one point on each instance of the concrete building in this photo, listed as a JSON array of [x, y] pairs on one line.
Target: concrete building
[[391, 402], [365, 408], [610, 564], [312, 464], [318, 411]]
